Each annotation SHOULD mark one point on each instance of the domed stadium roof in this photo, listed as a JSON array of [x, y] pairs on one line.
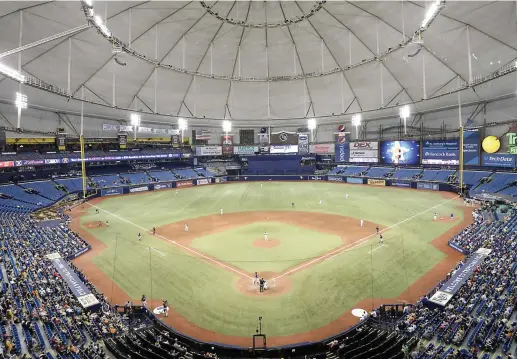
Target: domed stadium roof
[[257, 60]]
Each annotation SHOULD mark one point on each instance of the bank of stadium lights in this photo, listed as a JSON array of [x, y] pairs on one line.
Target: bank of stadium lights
[[21, 104], [431, 13], [12, 73], [182, 125], [312, 125], [357, 121], [227, 126], [135, 122], [404, 113], [99, 22]]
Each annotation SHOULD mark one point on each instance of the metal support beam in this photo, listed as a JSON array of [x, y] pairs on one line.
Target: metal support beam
[[114, 64], [69, 63], [424, 75], [458, 103], [129, 28], [43, 41], [470, 71]]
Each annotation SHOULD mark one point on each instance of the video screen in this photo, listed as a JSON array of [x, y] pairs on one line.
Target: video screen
[[400, 152]]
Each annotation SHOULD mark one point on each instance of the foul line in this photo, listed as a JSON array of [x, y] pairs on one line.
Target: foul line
[[156, 250], [341, 250], [174, 243], [375, 249]]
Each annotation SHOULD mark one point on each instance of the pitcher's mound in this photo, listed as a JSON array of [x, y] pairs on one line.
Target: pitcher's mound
[[92, 225], [270, 243]]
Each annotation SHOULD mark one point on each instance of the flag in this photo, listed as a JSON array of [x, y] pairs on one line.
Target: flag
[[469, 122], [202, 134]]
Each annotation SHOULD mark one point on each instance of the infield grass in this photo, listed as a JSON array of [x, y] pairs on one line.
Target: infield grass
[[206, 294]]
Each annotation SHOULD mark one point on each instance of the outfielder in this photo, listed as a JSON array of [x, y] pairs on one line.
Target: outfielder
[[256, 278], [221, 211], [261, 185], [435, 216], [320, 202], [139, 236], [346, 195], [381, 239], [265, 236]]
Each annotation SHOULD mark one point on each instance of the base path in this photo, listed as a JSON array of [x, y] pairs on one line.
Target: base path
[[323, 222]]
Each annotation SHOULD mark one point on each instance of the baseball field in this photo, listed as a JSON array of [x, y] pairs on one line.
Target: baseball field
[[319, 263]]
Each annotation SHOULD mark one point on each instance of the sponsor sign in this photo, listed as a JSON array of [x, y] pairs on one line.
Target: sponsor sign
[[82, 251], [125, 128], [184, 184], [111, 191], [209, 151], [341, 152], [110, 127], [499, 160], [316, 178], [354, 180], [61, 141], [162, 186], [123, 140], [401, 184], [139, 189], [440, 152], [145, 129], [510, 138], [245, 150], [227, 144], [221, 180], [160, 130], [303, 144], [376, 182], [78, 288], [428, 186], [276, 149], [52, 161], [322, 149], [335, 178], [202, 181], [400, 152], [363, 152], [461, 275], [4, 164], [471, 147], [284, 138]]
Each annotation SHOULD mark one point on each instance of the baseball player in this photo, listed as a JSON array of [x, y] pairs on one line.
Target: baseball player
[[346, 195], [451, 216], [292, 204], [165, 305], [361, 222], [377, 229], [435, 216], [154, 230], [176, 193], [107, 222], [139, 236], [261, 185], [144, 301], [221, 211], [186, 228], [265, 236], [256, 278], [320, 202], [381, 239]]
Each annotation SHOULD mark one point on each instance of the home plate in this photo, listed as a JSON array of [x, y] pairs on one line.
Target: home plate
[[358, 312]]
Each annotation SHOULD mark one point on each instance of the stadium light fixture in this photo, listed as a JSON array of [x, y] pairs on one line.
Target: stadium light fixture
[[20, 103], [182, 125], [357, 121], [227, 126], [312, 124], [431, 13], [99, 22], [89, 3], [12, 73], [135, 122], [404, 113]]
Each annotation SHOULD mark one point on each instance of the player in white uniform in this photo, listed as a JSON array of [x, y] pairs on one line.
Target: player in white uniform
[[361, 222], [261, 185], [221, 211], [320, 202], [186, 227], [346, 195], [265, 236], [176, 193], [435, 216]]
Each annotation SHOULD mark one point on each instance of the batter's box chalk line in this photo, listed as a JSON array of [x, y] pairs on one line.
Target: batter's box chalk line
[[328, 255]]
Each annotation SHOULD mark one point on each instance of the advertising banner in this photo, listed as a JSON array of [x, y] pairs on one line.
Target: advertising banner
[[78, 288], [457, 280], [335, 178], [227, 144], [110, 127], [440, 152], [303, 143], [284, 138], [209, 151], [145, 130], [354, 180], [428, 186], [341, 149], [367, 156], [4, 164], [400, 152], [401, 184], [124, 128], [201, 182], [175, 140], [139, 189], [471, 146], [510, 142], [277, 149], [162, 186], [184, 184], [322, 148], [364, 145], [160, 130], [61, 141], [316, 178], [111, 191], [376, 182], [245, 150], [499, 160], [123, 141]]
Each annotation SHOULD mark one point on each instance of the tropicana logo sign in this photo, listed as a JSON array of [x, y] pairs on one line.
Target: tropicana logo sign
[[511, 142]]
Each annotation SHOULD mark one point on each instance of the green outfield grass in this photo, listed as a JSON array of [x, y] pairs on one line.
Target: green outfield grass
[[235, 246], [206, 294]]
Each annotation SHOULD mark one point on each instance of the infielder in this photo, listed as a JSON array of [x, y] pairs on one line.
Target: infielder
[[451, 217], [256, 278], [144, 301], [381, 239], [186, 228], [139, 236], [320, 202], [265, 236], [435, 216], [361, 222], [221, 211]]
